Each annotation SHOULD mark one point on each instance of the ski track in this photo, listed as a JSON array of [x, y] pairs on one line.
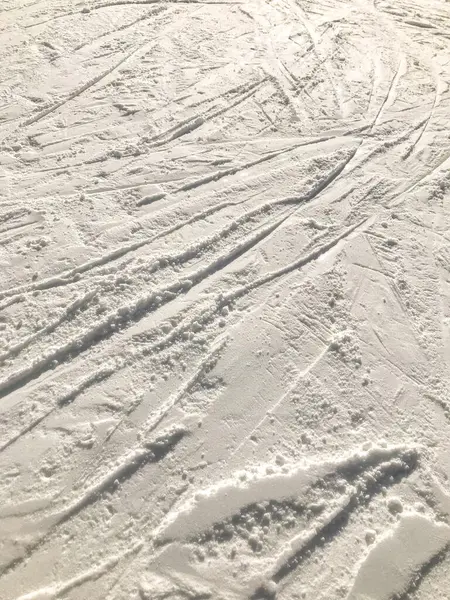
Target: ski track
[[224, 300]]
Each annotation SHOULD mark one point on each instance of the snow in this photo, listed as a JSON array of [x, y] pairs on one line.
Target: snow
[[224, 300]]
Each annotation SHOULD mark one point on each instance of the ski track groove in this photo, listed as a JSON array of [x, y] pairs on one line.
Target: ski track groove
[[152, 451], [71, 276], [149, 15], [78, 91], [56, 591], [424, 572], [126, 314], [130, 313], [196, 122], [72, 309], [173, 401], [61, 402], [339, 517], [159, 346]]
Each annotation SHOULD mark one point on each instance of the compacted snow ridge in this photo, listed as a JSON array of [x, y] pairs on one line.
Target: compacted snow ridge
[[224, 300]]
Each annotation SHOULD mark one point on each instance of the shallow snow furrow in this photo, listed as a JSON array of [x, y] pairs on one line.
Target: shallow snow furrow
[[16, 299], [197, 121], [229, 298], [50, 20], [15, 228], [144, 2], [54, 592], [384, 475], [150, 451], [64, 400], [129, 313], [78, 91], [390, 95], [405, 555], [238, 91], [102, 374], [423, 572], [224, 500], [125, 315], [204, 367], [71, 276], [424, 127], [297, 264], [213, 177], [9, 220], [212, 312], [221, 512], [78, 305], [385, 145], [399, 198], [28, 429], [22, 7], [139, 20], [157, 416]]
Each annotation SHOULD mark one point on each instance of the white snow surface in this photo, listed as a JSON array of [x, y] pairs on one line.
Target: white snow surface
[[224, 300]]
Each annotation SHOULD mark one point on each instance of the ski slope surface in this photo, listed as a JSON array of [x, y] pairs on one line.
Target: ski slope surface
[[224, 300]]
